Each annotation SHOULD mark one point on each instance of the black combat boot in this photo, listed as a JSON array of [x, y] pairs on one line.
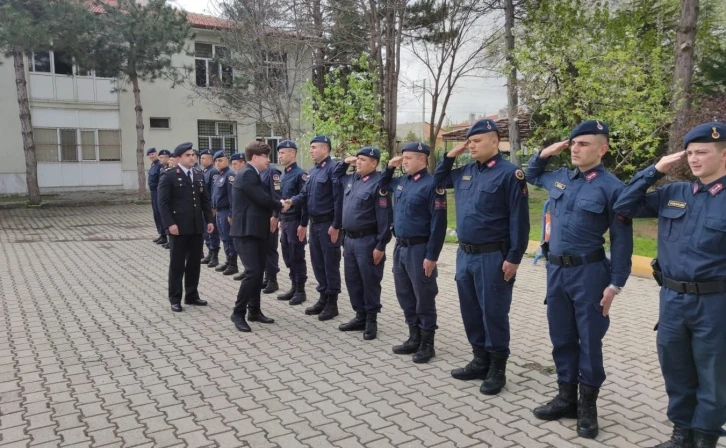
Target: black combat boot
[[681, 438], [358, 323], [587, 412], [255, 315], [221, 267], [319, 305], [272, 285], [208, 257], [213, 258], [156, 240], [412, 343], [426, 350], [239, 276], [231, 266], [166, 245], [564, 405], [162, 239], [371, 328], [331, 308], [288, 295], [477, 369], [300, 295], [702, 440], [496, 377]]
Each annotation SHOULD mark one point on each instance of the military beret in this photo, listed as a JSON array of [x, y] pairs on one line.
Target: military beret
[[181, 149], [164, 152], [205, 152], [706, 133], [286, 144], [320, 139], [219, 154], [419, 147], [590, 127], [370, 151], [237, 156], [482, 127], [150, 151]]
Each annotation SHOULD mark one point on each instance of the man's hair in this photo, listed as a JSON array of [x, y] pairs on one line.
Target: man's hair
[[720, 146], [257, 148]]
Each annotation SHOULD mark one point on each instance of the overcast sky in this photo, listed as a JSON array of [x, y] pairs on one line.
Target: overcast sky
[[473, 95]]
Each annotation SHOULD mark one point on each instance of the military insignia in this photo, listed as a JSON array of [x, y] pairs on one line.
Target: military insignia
[[214, 178], [465, 177], [715, 189], [287, 170], [440, 204], [491, 163], [305, 177], [560, 185], [591, 176], [231, 178], [275, 177], [695, 188], [179, 179], [383, 192], [417, 177], [383, 203], [400, 187], [715, 135], [350, 185], [599, 126], [519, 174], [322, 165], [440, 191], [489, 125], [178, 171], [365, 179], [420, 146], [677, 204]]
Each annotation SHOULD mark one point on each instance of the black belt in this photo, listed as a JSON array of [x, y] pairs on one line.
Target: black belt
[[406, 242], [481, 248], [695, 287], [321, 218], [349, 234], [577, 260], [286, 218]]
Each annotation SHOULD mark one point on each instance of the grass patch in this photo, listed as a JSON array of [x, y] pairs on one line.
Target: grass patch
[[23, 198]]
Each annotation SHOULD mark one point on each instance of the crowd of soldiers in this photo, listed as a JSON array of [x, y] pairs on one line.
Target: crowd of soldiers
[[250, 207]]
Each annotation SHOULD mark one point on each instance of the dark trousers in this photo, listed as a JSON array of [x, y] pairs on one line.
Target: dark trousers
[[416, 293], [223, 228], [253, 253], [325, 257], [184, 263], [272, 267], [293, 252], [362, 277], [575, 320], [211, 240], [157, 215]]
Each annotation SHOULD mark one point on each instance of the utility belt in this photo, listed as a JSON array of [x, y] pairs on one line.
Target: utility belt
[[577, 260], [408, 242], [499, 246], [364, 233], [287, 218], [710, 287], [321, 218]]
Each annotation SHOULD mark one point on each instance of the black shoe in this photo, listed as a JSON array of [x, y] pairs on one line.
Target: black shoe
[[681, 438], [496, 377], [156, 240], [371, 329], [221, 267], [214, 258], [207, 258], [288, 295], [477, 369], [161, 240], [177, 308], [299, 296], [319, 305], [257, 316], [358, 323], [240, 323], [271, 285], [331, 308], [231, 267], [564, 405], [239, 276], [196, 302], [412, 344], [587, 412], [702, 440], [166, 245], [426, 350]]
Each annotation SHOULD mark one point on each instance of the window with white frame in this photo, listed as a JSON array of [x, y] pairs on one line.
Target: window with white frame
[[209, 71], [265, 132], [276, 70], [216, 135], [77, 145], [60, 63]]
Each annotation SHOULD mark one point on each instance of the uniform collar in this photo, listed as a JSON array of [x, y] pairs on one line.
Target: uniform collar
[[223, 171], [367, 177], [156, 162], [323, 162], [184, 169], [714, 187], [418, 175], [491, 163], [588, 175], [291, 167]]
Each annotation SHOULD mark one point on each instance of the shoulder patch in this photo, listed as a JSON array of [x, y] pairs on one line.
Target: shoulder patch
[[440, 191], [275, 177], [383, 192], [305, 177], [214, 178], [231, 178], [519, 174]]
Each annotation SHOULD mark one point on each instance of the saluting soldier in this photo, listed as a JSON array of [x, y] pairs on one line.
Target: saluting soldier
[[153, 180]]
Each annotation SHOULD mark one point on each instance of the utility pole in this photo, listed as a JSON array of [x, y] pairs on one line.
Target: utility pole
[[423, 112], [512, 102]]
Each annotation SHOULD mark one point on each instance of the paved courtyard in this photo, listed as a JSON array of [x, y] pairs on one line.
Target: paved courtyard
[[91, 355]]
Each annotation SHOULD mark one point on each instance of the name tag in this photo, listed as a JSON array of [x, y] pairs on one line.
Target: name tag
[[467, 178], [560, 185], [677, 204], [400, 187]]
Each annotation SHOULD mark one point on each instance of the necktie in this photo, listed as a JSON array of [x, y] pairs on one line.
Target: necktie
[[189, 175]]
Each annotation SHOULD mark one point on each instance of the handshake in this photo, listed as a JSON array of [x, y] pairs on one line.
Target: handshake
[[286, 204]]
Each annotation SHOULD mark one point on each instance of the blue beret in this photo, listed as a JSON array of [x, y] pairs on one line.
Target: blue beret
[[320, 139], [370, 151], [419, 147], [219, 154], [590, 127], [150, 150], [206, 151], [164, 152], [237, 156], [286, 144], [482, 127], [706, 133], [181, 149]]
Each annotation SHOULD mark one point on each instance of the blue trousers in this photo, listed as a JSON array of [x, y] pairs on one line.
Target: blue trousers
[[293, 251], [692, 353], [575, 320], [157, 215], [223, 228], [211, 240], [485, 299], [273, 257], [325, 258], [362, 277], [416, 293]]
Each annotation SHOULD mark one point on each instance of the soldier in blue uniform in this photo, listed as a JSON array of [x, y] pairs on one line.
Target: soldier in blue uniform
[[419, 223], [581, 281], [154, 174], [211, 240], [271, 183], [492, 223], [293, 224], [169, 163], [691, 336], [324, 202], [222, 208], [237, 161], [164, 159], [367, 218]]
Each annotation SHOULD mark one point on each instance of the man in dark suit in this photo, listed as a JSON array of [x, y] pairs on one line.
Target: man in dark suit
[[252, 209], [184, 207]]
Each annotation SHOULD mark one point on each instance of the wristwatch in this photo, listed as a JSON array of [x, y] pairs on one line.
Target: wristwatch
[[617, 289]]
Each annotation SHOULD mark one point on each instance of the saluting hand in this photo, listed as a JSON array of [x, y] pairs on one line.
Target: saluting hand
[[351, 160], [667, 162], [174, 230], [554, 149], [458, 150], [510, 270], [395, 162], [429, 266]]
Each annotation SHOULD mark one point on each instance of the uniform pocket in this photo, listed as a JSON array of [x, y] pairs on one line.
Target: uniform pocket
[[713, 234], [556, 201], [591, 211], [486, 197], [671, 222]]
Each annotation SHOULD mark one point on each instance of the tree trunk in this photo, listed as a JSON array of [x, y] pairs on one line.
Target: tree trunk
[[512, 101], [319, 52], [683, 75], [26, 129], [140, 143]]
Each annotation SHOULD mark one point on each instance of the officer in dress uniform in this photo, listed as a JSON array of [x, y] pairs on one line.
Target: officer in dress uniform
[[154, 174], [691, 336], [581, 281], [211, 240], [492, 223], [419, 223], [367, 219], [293, 224], [184, 206], [238, 163], [222, 209], [271, 182], [324, 202]]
